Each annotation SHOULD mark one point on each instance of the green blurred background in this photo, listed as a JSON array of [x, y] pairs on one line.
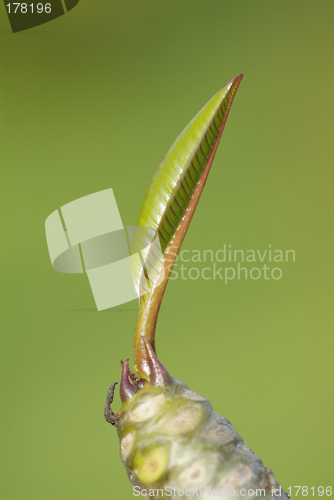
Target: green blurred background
[[93, 100]]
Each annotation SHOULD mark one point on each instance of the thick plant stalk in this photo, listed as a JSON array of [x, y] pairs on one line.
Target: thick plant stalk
[[172, 440], [172, 443]]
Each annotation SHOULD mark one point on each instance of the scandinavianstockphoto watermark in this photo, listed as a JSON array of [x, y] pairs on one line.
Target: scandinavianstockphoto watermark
[[200, 491], [87, 236], [228, 263]]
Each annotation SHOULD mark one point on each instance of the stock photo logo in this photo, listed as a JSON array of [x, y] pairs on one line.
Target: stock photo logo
[[23, 16], [87, 236]]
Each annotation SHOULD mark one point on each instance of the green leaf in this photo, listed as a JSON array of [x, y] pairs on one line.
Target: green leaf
[[168, 207]]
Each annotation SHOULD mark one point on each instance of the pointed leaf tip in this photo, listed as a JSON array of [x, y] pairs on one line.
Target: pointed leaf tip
[[127, 388], [159, 376]]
